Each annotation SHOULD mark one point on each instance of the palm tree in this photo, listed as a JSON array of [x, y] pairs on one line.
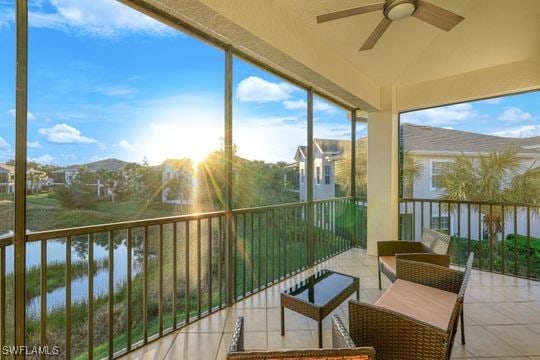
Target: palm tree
[[496, 177], [343, 169]]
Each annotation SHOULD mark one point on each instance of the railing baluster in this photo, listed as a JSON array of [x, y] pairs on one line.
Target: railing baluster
[[129, 288], [259, 227], [43, 298], [220, 259], [146, 243], [3, 292], [515, 243], [175, 276], [209, 265], [199, 295], [244, 255], [503, 262], [529, 242], [160, 301], [468, 228], [252, 252], [187, 257], [480, 239], [111, 294], [68, 298], [459, 230], [91, 296]]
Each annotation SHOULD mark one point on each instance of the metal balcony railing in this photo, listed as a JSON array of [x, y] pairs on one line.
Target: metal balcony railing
[[100, 291], [504, 236]]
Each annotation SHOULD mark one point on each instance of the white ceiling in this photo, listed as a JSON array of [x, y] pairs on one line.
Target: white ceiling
[[494, 33]]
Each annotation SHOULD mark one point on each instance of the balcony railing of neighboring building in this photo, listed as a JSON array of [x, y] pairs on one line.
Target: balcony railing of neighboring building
[[504, 236], [99, 291]]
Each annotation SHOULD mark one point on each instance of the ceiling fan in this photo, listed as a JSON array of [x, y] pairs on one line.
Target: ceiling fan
[[397, 10]]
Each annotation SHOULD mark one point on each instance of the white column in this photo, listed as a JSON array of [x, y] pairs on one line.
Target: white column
[[382, 197]]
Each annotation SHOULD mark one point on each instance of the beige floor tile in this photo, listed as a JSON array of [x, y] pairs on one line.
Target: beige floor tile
[[156, 350], [255, 301], [194, 346], [293, 320], [482, 343], [224, 346], [294, 339], [518, 336], [520, 312], [254, 319], [534, 327], [212, 323], [485, 314]]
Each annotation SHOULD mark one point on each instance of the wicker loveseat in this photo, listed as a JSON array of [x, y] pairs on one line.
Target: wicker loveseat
[[416, 318], [433, 248], [341, 351]]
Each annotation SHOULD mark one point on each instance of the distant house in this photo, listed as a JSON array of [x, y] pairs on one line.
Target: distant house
[[325, 154], [177, 181], [67, 175], [35, 179], [434, 148], [7, 174]]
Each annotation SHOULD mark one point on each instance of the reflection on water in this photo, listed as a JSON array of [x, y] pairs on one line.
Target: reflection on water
[[56, 253]]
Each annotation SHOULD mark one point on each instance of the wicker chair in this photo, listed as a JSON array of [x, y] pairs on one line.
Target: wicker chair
[[423, 326], [433, 248], [344, 348]]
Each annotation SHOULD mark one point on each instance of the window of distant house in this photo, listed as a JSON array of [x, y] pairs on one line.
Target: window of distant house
[[327, 175], [318, 175], [440, 223], [302, 174], [437, 170]]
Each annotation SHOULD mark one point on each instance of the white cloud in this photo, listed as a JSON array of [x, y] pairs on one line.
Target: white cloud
[[496, 100], [43, 159], [30, 116], [294, 104], [302, 104], [65, 134], [515, 114], [442, 116], [126, 145], [33, 144], [100, 18], [520, 132], [255, 89]]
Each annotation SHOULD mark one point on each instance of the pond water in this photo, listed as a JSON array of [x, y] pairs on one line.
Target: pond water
[[56, 253]]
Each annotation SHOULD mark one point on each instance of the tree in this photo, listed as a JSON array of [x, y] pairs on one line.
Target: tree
[[343, 169], [496, 177], [110, 179], [80, 194]]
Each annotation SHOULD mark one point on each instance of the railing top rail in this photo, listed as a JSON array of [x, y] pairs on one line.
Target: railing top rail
[[6, 241], [92, 229], [475, 202], [268, 207], [332, 200]]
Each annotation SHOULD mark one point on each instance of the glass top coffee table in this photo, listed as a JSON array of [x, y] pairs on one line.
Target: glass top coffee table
[[318, 296]]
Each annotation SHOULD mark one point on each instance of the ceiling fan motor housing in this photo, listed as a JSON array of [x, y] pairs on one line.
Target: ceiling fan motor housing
[[399, 9]]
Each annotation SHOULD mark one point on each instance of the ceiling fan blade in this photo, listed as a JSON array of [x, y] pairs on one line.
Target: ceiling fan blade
[[436, 16], [376, 34], [349, 12]]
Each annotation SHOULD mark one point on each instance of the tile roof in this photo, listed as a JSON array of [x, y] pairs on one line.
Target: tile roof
[[417, 138]]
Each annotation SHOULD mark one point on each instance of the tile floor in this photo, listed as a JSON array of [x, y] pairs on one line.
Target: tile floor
[[502, 318]]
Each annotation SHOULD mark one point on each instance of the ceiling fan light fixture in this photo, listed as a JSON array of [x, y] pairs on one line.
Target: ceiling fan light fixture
[[399, 9]]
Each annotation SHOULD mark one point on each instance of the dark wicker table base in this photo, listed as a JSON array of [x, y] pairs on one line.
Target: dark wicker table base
[[318, 311]]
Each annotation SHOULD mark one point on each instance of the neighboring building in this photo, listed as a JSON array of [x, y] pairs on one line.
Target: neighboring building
[[325, 154], [434, 148], [35, 179], [177, 181], [7, 175], [67, 174]]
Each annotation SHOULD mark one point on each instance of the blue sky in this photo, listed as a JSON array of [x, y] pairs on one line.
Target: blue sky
[[106, 81]]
